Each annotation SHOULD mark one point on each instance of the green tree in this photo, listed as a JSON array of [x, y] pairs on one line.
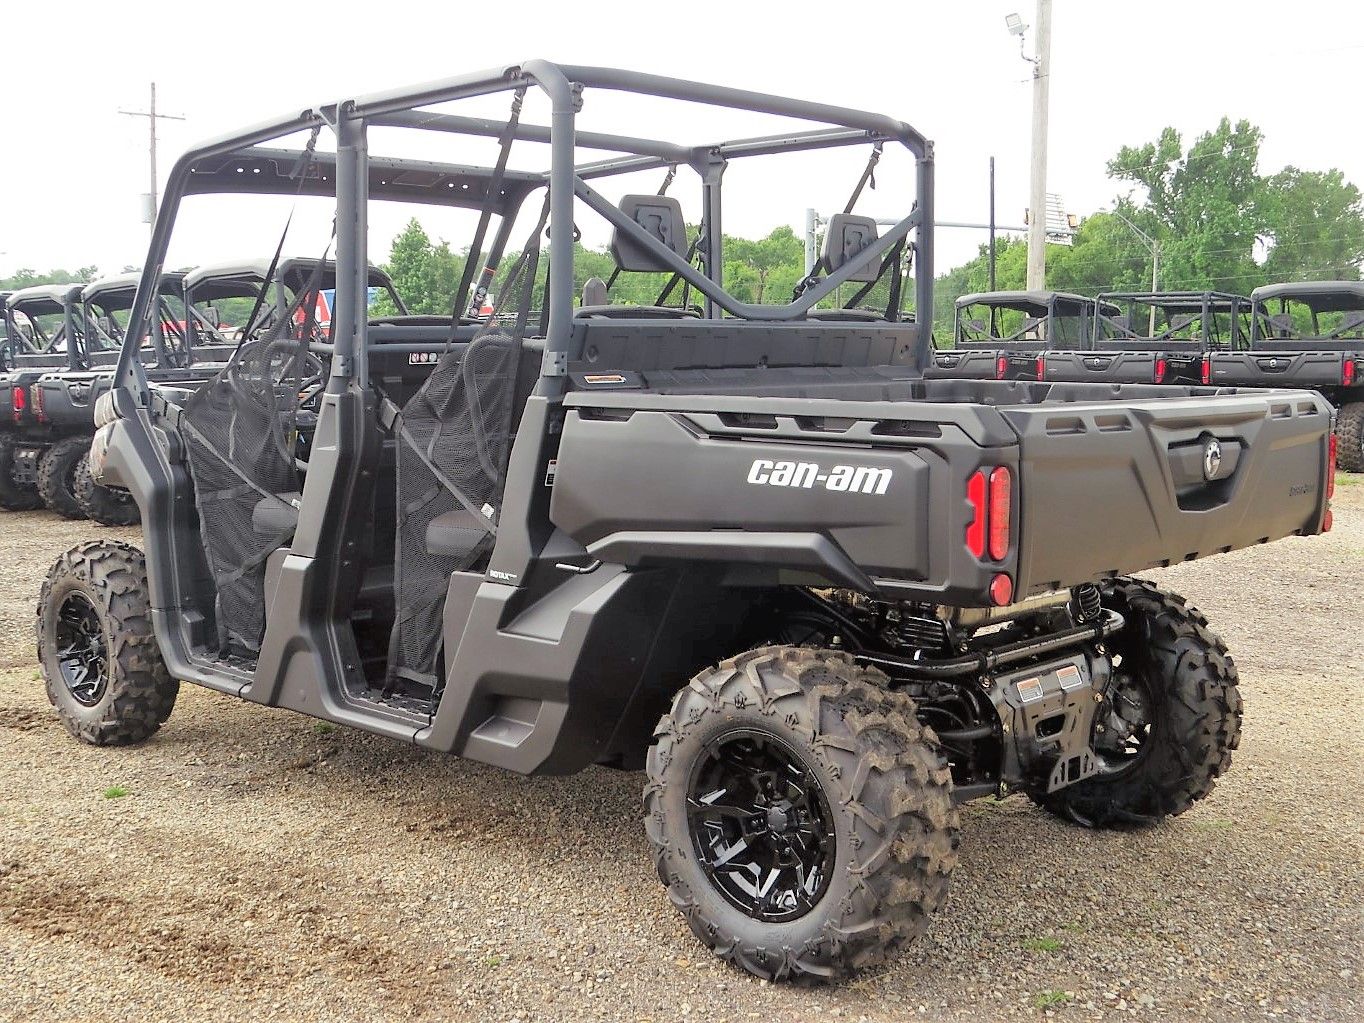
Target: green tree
[[425, 273], [1314, 226], [28, 278]]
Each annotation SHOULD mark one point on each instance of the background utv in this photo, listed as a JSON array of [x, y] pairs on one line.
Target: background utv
[[591, 533]]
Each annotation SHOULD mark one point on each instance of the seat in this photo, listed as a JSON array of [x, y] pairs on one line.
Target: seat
[[276, 516], [455, 534], [661, 217]]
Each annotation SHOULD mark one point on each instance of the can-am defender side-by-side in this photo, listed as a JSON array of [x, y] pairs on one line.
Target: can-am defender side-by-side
[[1307, 334], [1000, 335], [43, 326], [1153, 338], [820, 599]]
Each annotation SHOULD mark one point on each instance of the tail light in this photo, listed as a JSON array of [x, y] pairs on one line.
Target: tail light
[[990, 530], [975, 530], [18, 401], [1000, 493], [1001, 368], [1160, 370], [1347, 373], [1041, 367], [1332, 444], [1002, 590], [39, 411], [1205, 374]]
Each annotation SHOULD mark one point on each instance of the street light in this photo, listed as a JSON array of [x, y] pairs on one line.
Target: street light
[[1154, 247], [1041, 86]]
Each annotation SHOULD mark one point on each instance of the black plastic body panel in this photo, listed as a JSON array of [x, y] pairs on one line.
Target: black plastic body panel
[[1102, 487], [1273, 368], [1106, 490], [964, 364]]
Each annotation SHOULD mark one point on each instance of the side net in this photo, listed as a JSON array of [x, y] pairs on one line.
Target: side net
[[454, 443], [239, 437]]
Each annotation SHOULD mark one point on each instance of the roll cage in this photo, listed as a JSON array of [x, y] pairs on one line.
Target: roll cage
[[1300, 306], [30, 338], [244, 163], [103, 298], [1207, 319], [1042, 312]]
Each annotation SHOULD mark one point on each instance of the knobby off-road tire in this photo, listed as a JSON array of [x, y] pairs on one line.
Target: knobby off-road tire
[[94, 614], [108, 506], [881, 795], [57, 476], [1193, 713], [1350, 437], [14, 496]]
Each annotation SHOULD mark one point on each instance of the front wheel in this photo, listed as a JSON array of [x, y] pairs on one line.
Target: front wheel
[[57, 475], [1170, 719], [109, 506], [96, 648], [800, 815]]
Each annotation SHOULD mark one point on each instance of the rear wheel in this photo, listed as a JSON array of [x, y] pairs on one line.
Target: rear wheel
[[1171, 718], [14, 496], [1350, 437], [96, 648], [109, 506], [801, 817], [57, 476]]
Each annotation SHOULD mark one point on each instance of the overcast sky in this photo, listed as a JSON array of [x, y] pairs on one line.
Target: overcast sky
[[73, 168]]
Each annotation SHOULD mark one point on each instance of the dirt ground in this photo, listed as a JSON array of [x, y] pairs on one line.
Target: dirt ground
[[262, 866]]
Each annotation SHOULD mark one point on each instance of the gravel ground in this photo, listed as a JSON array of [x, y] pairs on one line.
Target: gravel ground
[[264, 866]]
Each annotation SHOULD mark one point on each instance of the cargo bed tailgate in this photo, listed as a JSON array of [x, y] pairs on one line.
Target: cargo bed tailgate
[[1110, 488]]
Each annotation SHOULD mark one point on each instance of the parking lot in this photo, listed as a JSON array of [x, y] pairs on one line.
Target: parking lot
[[259, 865]]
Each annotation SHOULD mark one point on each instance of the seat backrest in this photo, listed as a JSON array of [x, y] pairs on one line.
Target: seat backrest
[[594, 291], [660, 216], [847, 236]]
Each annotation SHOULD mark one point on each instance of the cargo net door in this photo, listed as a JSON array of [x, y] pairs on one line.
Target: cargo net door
[[454, 443], [240, 434]]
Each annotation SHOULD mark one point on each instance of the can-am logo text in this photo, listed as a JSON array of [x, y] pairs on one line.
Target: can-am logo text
[[857, 479]]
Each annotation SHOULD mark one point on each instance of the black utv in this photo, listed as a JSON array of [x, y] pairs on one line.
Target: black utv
[[1001, 335], [819, 598], [1307, 334], [43, 327], [1164, 337]]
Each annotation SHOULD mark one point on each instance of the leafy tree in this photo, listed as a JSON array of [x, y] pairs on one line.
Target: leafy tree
[[28, 278], [425, 273], [1314, 226]]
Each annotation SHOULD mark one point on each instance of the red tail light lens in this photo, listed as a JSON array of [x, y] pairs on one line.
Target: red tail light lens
[[1331, 446], [1160, 370], [18, 401], [1041, 367], [1347, 373], [1206, 374], [1001, 510], [1001, 368], [1002, 590], [975, 529], [991, 499]]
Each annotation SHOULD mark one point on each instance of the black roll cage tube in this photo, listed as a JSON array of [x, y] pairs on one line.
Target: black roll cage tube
[[564, 85]]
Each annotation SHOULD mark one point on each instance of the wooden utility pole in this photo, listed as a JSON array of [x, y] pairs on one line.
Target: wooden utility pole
[[152, 116]]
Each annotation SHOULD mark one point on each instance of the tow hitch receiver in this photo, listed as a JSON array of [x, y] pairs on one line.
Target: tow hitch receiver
[[1047, 714]]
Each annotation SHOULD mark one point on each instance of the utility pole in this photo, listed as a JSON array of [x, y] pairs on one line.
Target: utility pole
[[1037, 221], [992, 223], [152, 116]]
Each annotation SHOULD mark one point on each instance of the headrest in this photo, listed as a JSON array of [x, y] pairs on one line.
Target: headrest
[[845, 237], [660, 216], [594, 291]]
